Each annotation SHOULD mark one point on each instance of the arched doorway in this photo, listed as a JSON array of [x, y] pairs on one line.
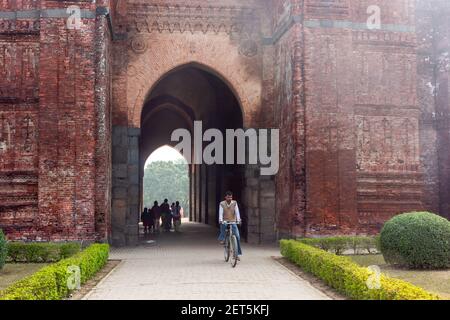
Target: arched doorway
[[187, 94], [184, 95], [180, 99]]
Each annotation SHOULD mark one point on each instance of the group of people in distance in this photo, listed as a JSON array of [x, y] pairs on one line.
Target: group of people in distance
[[164, 216]]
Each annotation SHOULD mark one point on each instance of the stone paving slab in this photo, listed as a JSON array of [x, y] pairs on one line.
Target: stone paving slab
[[190, 266]]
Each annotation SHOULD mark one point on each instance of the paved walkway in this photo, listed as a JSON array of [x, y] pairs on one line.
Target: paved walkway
[[190, 265]]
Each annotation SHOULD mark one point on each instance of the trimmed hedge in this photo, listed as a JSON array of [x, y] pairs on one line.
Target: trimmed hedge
[[50, 282], [41, 252], [347, 277], [3, 249], [340, 244], [418, 240]]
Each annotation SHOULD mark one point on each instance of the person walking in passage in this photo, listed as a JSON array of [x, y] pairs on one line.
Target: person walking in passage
[[229, 212], [177, 213], [165, 213], [172, 208], [156, 213], [151, 213], [146, 220]]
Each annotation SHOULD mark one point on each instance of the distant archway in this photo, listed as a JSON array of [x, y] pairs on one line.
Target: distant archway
[[166, 176]]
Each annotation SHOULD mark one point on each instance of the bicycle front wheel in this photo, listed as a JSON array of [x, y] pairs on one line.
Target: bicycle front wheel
[[234, 251], [226, 249]]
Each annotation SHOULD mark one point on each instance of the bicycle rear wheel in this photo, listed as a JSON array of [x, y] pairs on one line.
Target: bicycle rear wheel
[[234, 251], [226, 249]]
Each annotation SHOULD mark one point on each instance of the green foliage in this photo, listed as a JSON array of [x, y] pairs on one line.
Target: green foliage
[[340, 244], [3, 249], [347, 277], [167, 179], [419, 240], [41, 252], [50, 282], [378, 242], [67, 250]]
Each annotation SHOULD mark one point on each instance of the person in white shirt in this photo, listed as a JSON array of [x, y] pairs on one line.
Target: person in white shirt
[[229, 212]]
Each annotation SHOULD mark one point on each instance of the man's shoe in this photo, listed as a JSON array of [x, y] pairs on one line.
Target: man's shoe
[[238, 258]]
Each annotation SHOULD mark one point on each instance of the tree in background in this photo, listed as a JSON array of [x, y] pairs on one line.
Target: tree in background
[[167, 179]]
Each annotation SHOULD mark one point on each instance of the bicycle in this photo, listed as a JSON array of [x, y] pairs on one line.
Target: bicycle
[[231, 245]]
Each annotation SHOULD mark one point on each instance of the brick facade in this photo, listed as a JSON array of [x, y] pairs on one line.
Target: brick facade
[[363, 114]]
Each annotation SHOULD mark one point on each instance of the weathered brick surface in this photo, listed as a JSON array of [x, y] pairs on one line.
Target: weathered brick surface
[[48, 107], [363, 114], [66, 130]]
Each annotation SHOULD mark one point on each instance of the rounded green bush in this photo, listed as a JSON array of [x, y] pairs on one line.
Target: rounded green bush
[[419, 240], [3, 249]]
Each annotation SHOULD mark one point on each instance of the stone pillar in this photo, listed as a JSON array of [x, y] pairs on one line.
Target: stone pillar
[[251, 195], [442, 96], [191, 192], [103, 126], [427, 102], [259, 198], [133, 212], [126, 187], [213, 201], [267, 209], [205, 189]]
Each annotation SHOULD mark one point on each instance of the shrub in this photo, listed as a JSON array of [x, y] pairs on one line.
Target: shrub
[[347, 277], [3, 249], [378, 242], [417, 240], [339, 244], [50, 282], [41, 252], [67, 250]]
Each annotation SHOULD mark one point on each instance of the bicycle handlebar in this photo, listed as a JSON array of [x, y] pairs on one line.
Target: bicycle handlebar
[[231, 222]]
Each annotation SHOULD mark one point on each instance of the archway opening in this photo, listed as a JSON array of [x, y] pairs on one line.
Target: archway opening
[[181, 97], [166, 176]]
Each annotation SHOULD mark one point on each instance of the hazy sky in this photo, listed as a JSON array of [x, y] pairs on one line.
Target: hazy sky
[[164, 153]]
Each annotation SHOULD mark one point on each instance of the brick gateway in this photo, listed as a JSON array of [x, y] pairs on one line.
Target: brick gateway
[[363, 114]]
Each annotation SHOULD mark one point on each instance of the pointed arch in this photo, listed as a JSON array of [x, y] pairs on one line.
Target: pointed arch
[[145, 71]]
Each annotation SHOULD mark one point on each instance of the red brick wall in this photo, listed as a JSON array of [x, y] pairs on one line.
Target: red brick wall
[[19, 121], [362, 117], [289, 117], [66, 129], [48, 123], [361, 120]]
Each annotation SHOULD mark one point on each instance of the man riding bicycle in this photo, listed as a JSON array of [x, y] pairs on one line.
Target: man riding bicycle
[[229, 212]]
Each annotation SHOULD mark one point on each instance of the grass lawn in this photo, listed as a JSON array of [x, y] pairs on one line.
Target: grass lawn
[[437, 281], [12, 272]]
